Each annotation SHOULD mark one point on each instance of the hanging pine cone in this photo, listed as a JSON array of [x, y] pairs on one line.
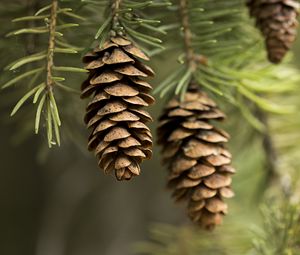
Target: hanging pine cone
[[277, 20], [199, 165], [120, 138]]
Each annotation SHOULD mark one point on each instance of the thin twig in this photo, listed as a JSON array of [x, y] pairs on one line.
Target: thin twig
[[185, 22], [269, 148], [51, 44], [115, 12]]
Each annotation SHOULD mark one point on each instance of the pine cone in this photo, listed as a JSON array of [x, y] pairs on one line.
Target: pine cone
[[277, 20], [199, 165], [120, 138]]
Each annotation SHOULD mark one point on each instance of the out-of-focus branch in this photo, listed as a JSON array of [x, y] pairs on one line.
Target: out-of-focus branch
[[32, 6], [269, 148]]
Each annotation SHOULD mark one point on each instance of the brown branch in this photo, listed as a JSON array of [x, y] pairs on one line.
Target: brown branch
[[185, 22], [269, 148], [51, 44]]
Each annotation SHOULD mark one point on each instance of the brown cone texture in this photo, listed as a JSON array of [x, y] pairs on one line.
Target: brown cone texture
[[277, 20], [199, 165], [119, 137]]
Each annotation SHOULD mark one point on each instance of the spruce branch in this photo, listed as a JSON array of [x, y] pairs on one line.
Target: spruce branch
[[200, 36], [215, 33], [127, 17], [41, 88], [190, 54], [51, 44]]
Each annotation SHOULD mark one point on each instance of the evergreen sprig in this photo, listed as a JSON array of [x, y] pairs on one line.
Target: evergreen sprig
[[127, 17], [280, 232], [225, 59], [205, 27], [39, 69]]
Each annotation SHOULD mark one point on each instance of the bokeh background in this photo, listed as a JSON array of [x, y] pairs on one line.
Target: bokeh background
[[58, 202]]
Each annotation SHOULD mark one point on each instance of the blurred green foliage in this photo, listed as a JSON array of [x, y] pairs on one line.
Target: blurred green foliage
[[79, 211]]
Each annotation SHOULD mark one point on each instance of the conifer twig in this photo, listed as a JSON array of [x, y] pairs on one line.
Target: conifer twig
[[185, 22], [51, 44], [41, 89], [115, 12]]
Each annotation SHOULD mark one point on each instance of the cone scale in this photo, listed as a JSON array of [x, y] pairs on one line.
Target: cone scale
[[119, 135], [277, 20], [193, 149]]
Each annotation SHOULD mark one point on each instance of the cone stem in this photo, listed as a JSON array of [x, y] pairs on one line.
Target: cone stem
[[185, 22], [115, 12], [51, 44]]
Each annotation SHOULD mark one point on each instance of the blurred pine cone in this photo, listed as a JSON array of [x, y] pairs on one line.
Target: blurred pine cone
[[277, 20], [120, 138], [199, 165]]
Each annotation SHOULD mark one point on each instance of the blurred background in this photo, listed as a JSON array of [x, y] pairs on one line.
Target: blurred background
[[57, 202]]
